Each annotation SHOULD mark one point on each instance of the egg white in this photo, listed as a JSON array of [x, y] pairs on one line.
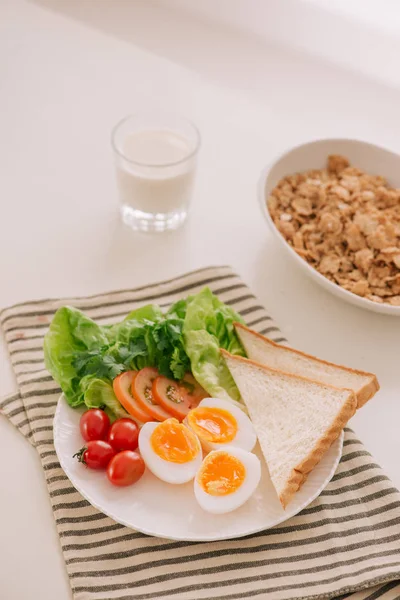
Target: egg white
[[165, 470], [245, 437], [224, 504]]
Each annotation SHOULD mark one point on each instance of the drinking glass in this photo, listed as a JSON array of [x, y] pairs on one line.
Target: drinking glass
[[155, 158]]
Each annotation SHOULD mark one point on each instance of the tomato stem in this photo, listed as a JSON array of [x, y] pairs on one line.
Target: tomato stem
[[80, 455]]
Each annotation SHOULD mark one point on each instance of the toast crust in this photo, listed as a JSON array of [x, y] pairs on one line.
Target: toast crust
[[300, 471], [227, 354], [365, 393]]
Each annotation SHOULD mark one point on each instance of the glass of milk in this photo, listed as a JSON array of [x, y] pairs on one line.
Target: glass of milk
[[155, 157]]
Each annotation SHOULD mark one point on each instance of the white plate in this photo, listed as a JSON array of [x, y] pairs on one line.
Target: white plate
[[171, 511], [313, 155]]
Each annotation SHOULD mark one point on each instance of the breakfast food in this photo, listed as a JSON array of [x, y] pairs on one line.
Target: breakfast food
[[94, 424], [346, 224], [142, 392], [219, 423], [296, 419], [178, 398], [265, 351], [123, 435], [110, 447], [171, 451], [122, 388], [226, 479], [152, 365], [125, 468], [172, 393], [96, 454]]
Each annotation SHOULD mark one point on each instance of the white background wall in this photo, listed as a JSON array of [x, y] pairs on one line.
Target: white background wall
[[360, 34]]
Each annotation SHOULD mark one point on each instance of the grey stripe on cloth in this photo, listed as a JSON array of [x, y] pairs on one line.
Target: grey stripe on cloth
[[346, 544], [12, 407]]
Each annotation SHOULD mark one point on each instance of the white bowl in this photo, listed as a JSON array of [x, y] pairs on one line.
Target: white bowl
[[313, 155]]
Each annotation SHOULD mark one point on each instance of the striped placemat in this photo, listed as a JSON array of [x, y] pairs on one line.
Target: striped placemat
[[345, 544]]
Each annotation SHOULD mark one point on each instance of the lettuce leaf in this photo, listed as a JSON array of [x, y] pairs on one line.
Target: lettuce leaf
[[84, 357], [76, 347], [151, 343], [150, 312], [208, 326], [70, 333], [100, 394]]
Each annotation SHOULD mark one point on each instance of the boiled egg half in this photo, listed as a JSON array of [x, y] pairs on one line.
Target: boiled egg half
[[226, 479], [220, 423], [170, 450]]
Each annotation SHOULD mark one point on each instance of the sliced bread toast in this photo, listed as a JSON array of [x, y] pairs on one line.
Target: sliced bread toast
[[267, 352], [296, 419]]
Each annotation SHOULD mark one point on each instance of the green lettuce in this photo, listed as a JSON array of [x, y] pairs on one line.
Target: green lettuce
[[147, 338], [150, 312], [71, 332], [84, 357], [100, 394], [208, 326]]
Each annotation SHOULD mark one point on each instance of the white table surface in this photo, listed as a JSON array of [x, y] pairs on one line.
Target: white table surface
[[66, 76]]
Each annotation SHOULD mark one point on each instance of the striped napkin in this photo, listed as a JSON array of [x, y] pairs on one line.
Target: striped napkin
[[346, 544]]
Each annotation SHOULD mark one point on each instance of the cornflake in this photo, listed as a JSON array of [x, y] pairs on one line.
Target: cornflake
[[346, 224]]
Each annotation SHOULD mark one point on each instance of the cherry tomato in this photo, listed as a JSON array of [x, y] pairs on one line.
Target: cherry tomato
[[96, 454], [122, 389], [142, 392], [178, 398], [123, 435], [94, 424], [125, 468]]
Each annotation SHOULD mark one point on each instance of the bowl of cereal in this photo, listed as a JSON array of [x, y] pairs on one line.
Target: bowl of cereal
[[334, 205]]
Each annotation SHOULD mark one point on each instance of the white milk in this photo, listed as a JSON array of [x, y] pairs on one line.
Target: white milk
[[159, 179]]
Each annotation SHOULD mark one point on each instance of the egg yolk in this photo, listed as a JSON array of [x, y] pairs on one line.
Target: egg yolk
[[213, 424], [221, 474], [174, 442]]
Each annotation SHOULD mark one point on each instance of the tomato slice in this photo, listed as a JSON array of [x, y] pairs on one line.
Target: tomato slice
[[122, 388], [142, 392], [193, 389], [178, 398], [171, 396]]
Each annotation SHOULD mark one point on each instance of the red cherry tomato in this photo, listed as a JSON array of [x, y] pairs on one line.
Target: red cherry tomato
[[125, 468], [96, 454], [94, 424], [123, 435]]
